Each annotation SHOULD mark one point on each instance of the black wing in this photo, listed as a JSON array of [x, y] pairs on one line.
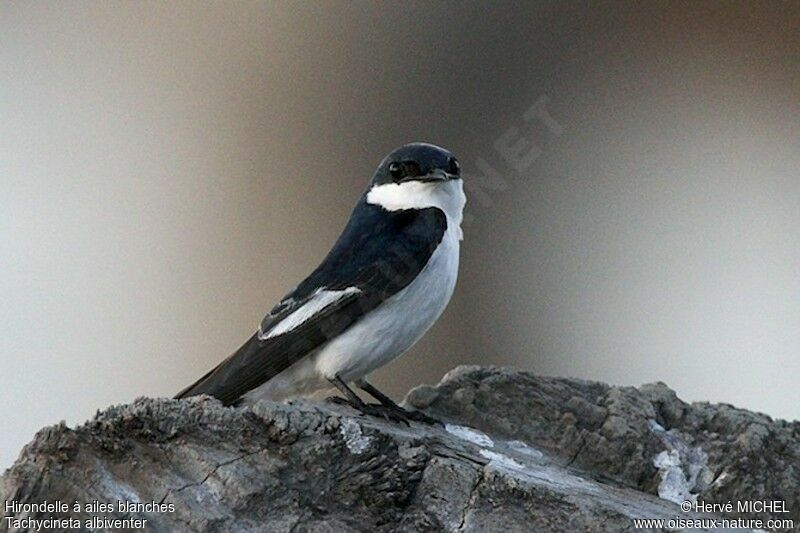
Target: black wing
[[378, 254]]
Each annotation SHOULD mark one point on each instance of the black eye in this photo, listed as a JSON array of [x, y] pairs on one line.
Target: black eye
[[396, 170], [453, 167]]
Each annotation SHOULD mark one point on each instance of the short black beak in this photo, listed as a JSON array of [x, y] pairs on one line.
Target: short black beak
[[432, 176]]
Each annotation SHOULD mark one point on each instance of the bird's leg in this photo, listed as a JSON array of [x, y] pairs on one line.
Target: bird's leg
[[391, 414], [370, 389], [351, 398], [387, 402]]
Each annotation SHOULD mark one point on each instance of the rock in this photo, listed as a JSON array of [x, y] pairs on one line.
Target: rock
[[645, 438], [518, 453]]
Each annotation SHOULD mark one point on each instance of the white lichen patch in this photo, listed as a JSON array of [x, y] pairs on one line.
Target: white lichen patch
[[548, 475], [523, 448], [674, 486], [355, 441], [501, 461], [468, 434], [683, 468]]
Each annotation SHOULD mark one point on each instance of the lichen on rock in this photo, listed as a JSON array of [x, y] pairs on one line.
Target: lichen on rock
[[518, 452]]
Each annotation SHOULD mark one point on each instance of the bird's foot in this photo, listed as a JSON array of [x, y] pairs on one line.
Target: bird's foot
[[392, 413], [419, 416], [398, 414], [382, 411], [338, 400], [372, 409]]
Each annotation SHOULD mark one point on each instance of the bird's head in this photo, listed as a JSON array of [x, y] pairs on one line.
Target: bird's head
[[416, 176], [420, 162]]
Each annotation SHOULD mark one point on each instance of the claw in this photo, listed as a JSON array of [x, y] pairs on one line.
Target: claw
[[338, 400], [381, 411], [399, 414], [419, 416], [390, 413]]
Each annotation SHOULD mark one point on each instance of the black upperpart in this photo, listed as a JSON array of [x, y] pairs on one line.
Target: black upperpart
[[380, 252], [417, 162]]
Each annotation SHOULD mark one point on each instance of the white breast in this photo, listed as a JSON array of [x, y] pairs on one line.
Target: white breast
[[398, 323]]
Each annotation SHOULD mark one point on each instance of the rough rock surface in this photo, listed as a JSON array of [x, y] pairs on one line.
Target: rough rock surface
[[519, 453]]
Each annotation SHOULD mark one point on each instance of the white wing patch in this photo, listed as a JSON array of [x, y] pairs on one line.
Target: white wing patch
[[321, 299]]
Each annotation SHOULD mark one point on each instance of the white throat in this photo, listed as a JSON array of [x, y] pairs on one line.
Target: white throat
[[447, 196]]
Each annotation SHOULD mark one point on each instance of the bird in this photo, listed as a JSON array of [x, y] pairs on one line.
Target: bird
[[384, 283]]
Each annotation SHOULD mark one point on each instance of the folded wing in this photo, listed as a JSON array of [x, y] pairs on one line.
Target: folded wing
[[363, 269]]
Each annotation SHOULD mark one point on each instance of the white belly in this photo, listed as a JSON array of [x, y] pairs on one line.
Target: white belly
[[381, 335]]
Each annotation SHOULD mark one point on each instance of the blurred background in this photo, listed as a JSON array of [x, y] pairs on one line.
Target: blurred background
[[168, 171]]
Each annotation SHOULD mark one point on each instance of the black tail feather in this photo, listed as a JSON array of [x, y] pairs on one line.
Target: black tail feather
[[217, 381]]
